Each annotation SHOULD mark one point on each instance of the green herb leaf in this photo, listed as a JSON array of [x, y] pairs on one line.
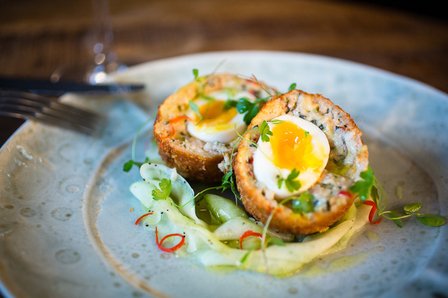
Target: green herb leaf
[[164, 192], [195, 108], [226, 181], [253, 111], [246, 255], [304, 203], [244, 105], [431, 220], [292, 86], [364, 187], [290, 183], [230, 103], [128, 165], [265, 131], [195, 73], [398, 221], [412, 208], [306, 133]]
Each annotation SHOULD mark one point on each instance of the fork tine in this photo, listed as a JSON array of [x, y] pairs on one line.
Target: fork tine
[[30, 98], [30, 106], [24, 112], [75, 114]]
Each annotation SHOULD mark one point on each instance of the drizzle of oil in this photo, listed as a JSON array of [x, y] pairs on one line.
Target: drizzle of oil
[[399, 192], [336, 265], [222, 269], [372, 236]]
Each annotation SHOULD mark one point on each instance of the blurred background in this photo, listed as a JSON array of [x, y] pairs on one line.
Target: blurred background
[[38, 38]]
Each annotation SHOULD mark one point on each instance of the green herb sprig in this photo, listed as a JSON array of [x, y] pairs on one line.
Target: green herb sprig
[[290, 182], [130, 163], [292, 86], [265, 132], [164, 192], [194, 107], [304, 203], [245, 106], [371, 186], [195, 73]]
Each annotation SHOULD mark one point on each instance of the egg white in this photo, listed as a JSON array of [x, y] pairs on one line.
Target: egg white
[[266, 172], [222, 133]]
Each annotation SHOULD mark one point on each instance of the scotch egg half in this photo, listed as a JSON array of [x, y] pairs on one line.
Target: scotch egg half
[[308, 135]]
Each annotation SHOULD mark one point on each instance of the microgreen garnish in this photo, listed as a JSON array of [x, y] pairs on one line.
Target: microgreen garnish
[[230, 103], [292, 86], [244, 105], [164, 192], [371, 186], [246, 255], [265, 131], [303, 203], [195, 73], [364, 187], [128, 165], [290, 183], [195, 109], [306, 133]]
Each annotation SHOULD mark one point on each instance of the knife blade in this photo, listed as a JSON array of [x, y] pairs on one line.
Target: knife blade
[[48, 88]]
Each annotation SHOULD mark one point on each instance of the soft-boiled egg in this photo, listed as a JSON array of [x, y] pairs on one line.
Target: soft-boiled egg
[[217, 123], [294, 144]]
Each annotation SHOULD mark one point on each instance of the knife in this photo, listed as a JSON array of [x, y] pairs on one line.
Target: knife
[[48, 88]]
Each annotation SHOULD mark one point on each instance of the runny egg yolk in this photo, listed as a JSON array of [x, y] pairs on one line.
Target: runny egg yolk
[[215, 123], [295, 144], [213, 114], [292, 148]]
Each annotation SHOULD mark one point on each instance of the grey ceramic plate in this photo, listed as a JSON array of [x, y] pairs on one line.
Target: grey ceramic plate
[[66, 215]]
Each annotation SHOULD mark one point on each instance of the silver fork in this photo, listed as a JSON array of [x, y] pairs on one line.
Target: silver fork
[[25, 105]]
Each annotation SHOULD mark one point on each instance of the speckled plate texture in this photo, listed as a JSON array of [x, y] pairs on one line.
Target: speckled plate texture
[[67, 216]]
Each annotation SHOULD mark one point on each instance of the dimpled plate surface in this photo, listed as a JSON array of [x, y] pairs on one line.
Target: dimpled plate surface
[[67, 216]]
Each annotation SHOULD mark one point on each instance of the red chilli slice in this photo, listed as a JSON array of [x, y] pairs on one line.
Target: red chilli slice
[[175, 120], [249, 233], [345, 193], [372, 212], [174, 248], [143, 216]]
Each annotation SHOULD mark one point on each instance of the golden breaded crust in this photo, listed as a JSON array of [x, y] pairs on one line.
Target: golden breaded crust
[[194, 159], [348, 158]]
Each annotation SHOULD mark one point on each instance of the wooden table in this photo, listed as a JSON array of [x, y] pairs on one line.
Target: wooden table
[[36, 37]]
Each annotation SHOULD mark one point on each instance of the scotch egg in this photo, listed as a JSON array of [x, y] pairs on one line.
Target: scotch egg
[[308, 160], [196, 127]]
